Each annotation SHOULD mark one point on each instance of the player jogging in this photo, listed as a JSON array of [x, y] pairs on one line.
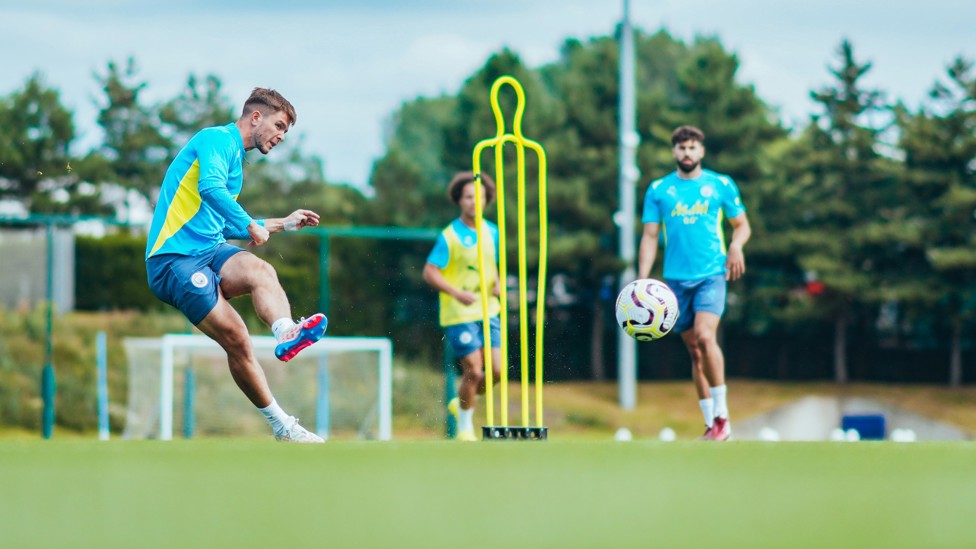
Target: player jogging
[[452, 269], [191, 266], [690, 203]]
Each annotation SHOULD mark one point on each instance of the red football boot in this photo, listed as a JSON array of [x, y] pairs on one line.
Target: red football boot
[[721, 430], [306, 332]]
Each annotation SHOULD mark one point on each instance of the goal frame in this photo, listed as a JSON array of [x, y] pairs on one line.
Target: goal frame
[[383, 346]]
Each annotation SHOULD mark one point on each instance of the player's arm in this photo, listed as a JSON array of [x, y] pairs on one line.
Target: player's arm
[[238, 224], [237, 233], [255, 232], [215, 158], [496, 288], [298, 219], [735, 261], [436, 280], [647, 252], [438, 259]]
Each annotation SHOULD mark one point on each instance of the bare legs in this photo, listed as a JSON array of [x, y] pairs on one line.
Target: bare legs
[[243, 274], [473, 375], [707, 360]]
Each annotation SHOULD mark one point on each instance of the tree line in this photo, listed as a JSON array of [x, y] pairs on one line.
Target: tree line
[[861, 264]]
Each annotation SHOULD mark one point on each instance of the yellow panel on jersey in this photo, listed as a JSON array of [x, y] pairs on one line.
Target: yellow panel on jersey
[[462, 273], [185, 205], [721, 233]]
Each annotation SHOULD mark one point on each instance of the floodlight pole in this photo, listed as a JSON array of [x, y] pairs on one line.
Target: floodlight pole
[[628, 174]]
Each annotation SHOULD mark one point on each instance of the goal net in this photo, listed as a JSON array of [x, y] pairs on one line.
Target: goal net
[[341, 387]]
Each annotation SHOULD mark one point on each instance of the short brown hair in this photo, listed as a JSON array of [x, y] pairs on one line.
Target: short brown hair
[[687, 133], [269, 101], [456, 186]]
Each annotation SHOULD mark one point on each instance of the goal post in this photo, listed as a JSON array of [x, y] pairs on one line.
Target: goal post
[[344, 384]]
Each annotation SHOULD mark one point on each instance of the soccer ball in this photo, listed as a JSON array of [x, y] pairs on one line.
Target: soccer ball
[[647, 309]]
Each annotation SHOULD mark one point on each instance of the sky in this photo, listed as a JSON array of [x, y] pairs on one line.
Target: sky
[[348, 65]]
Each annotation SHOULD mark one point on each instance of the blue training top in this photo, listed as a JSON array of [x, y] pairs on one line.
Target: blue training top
[[691, 213], [197, 207]]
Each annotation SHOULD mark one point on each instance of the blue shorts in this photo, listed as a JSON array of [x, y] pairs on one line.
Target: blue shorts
[[468, 337], [705, 295], [189, 283]]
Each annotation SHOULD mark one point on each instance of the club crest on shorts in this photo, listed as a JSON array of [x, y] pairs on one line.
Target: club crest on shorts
[[199, 280], [466, 338]]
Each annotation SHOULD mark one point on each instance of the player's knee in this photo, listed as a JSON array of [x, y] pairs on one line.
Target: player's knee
[[266, 272], [704, 339], [237, 342], [474, 376]]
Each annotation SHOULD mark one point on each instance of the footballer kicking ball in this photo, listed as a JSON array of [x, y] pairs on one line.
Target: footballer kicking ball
[[647, 309]]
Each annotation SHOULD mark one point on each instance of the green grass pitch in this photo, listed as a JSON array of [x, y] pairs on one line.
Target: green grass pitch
[[500, 494]]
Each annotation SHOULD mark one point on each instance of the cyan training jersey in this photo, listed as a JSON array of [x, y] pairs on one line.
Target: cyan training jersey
[[690, 212], [183, 222]]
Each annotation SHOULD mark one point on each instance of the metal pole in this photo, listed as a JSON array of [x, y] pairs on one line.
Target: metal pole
[[450, 389], [166, 391], [47, 374], [324, 290], [323, 404], [101, 364], [49, 292], [386, 391], [628, 174], [189, 401]]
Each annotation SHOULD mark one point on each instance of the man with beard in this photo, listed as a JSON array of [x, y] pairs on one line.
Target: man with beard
[[690, 203], [191, 266]]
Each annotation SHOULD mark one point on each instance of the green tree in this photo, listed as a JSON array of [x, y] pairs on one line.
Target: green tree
[[736, 121], [779, 311], [201, 104], [844, 195], [939, 142], [36, 132], [412, 172], [134, 152], [583, 195]]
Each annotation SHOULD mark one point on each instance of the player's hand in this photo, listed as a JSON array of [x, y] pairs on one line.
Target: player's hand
[[300, 219], [735, 263], [466, 297], [259, 234]]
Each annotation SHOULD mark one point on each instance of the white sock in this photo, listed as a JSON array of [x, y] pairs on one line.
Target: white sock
[[281, 326], [721, 405], [707, 406], [464, 419], [275, 415]]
